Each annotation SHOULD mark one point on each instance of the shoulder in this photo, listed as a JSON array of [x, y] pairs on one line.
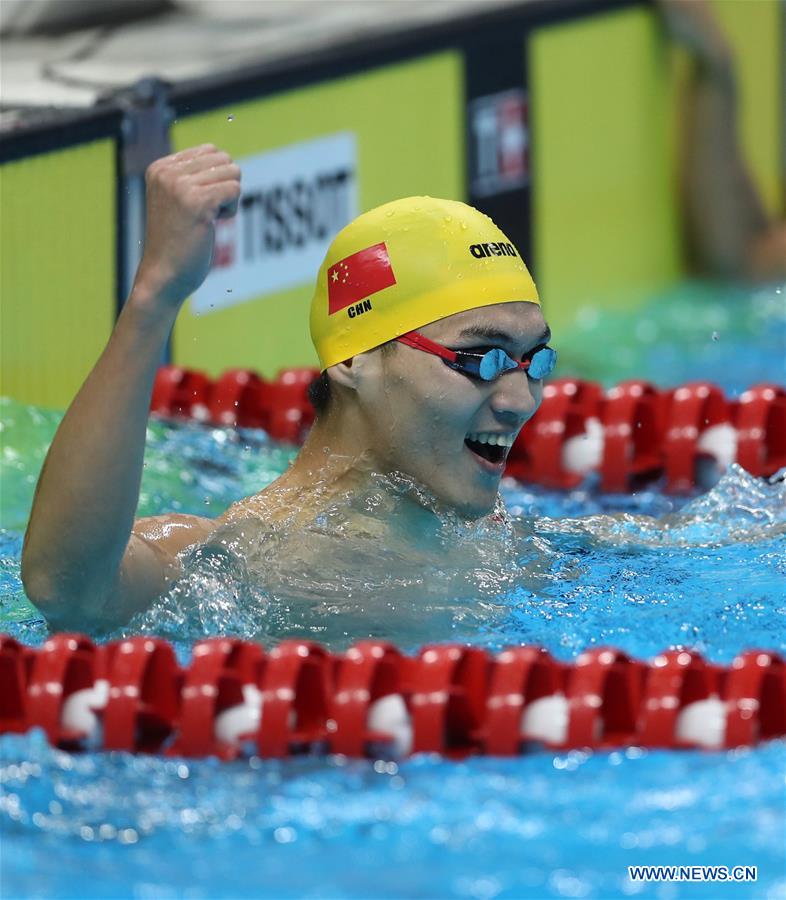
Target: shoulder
[[258, 506], [173, 532]]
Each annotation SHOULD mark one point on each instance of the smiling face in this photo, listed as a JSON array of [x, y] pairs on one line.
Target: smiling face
[[448, 431]]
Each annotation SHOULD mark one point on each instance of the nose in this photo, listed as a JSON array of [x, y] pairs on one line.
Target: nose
[[516, 397]]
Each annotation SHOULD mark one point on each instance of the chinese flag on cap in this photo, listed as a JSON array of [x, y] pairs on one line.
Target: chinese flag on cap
[[359, 276]]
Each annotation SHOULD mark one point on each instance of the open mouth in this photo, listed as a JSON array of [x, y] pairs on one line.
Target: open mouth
[[493, 454]]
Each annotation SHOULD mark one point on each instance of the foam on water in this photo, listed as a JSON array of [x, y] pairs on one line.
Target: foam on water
[[496, 581]]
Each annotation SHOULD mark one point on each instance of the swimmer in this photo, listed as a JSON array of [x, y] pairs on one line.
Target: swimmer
[[432, 348], [730, 232]]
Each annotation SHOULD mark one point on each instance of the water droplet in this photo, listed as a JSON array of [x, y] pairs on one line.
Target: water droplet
[[464, 226], [230, 118], [285, 835], [390, 213], [715, 336]]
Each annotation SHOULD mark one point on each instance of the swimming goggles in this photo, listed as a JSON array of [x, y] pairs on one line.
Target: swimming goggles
[[487, 366]]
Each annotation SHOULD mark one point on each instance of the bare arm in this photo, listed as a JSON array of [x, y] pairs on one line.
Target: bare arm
[[80, 562], [729, 230]]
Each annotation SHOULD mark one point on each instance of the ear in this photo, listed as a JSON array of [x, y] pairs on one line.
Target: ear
[[344, 373], [352, 373]]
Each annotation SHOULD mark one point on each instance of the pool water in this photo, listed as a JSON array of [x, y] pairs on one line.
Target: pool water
[[567, 571]]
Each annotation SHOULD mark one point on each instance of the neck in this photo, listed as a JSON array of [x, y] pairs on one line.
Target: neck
[[336, 455], [337, 459], [335, 445]]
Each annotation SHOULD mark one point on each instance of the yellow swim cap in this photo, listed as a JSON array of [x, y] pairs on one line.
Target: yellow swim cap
[[405, 264]]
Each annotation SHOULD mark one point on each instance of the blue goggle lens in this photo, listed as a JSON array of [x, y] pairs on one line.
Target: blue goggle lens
[[542, 363], [496, 362]]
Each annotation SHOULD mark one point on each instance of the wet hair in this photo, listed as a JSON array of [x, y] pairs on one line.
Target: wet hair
[[319, 393]]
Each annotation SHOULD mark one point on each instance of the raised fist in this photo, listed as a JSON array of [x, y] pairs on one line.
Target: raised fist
[[186, 193]]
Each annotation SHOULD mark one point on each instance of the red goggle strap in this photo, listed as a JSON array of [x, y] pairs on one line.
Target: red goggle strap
[[421, 342]]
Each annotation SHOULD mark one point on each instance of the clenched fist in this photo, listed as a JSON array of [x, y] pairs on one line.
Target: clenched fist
[[186, 193]]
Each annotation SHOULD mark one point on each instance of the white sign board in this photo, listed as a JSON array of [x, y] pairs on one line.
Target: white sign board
[[294, 202]]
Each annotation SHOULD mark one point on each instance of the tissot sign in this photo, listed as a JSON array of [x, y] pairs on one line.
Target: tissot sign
[[294, 201]]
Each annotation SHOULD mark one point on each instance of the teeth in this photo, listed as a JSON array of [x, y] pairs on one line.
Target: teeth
[[486, 437]]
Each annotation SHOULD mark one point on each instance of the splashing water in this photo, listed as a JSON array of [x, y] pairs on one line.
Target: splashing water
[[361, 567], [493, 582], [566, 571]]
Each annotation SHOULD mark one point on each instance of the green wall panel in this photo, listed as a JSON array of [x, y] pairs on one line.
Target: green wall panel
[[605, 214], [57, 270]]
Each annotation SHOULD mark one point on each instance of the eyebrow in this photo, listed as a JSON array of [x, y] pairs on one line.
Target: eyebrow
[[502, 337]]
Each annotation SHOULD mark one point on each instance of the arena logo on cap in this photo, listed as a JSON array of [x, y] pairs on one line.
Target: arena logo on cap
[[479, 251], [352, 280]]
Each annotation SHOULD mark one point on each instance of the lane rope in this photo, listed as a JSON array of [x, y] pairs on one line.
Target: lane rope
[[235, 699], [630, 435]]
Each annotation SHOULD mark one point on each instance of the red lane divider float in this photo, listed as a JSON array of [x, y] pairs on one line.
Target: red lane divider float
[[239, 398], [234, 699], [630, 435]]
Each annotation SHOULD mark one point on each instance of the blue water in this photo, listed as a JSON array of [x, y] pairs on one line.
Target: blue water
[[706, 572], [540, 826]]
